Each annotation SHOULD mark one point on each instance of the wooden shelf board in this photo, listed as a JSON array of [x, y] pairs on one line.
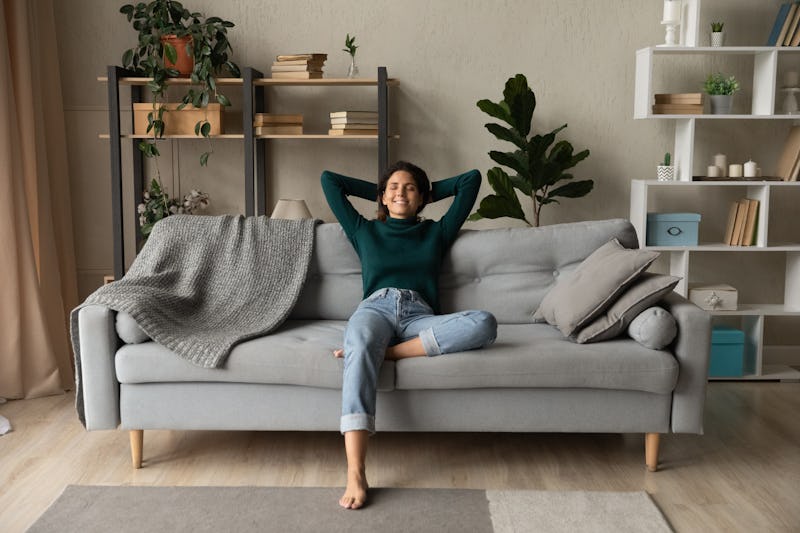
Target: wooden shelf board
[[170, 81], [166, 137], [322, 136], [325, 81]]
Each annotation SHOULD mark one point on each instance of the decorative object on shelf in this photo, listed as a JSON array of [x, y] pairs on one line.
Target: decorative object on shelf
[[791, 86], [720, 90], [717, 35], [742, 223], [157, 205], [350, 47], [678, 104], [750, 169], [291, 209], [537, 171], [718, 297], [671, 20], [778, 33], [299, 66], [721, 162], [275, 124], [177, 121], [157, 59], [735, 170], [672, 229], [353, 123], [665, 171], [789, 161]]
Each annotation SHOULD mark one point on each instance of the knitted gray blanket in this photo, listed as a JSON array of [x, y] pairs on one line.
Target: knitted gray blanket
[[202, 284]]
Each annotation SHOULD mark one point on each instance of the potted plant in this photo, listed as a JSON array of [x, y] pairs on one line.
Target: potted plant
[[665, 171], [720, 90], [170, 34], [156, 204], [537, 167], [717, 35]]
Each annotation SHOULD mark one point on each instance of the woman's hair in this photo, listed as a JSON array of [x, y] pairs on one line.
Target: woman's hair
[[420, 178]]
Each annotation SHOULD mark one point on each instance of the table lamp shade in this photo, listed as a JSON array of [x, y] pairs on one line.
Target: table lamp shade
[[291, 209]]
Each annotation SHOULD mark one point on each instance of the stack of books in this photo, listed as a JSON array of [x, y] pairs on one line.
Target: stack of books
[[354, 123], [789, 163], [274, 124], [678, 104], [299, 66], [742, 223], [786, 28]]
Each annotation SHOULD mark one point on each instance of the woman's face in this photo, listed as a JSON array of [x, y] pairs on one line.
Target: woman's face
[[402, 197]]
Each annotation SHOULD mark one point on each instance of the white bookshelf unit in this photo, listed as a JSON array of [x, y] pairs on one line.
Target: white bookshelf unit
[[645, 194]]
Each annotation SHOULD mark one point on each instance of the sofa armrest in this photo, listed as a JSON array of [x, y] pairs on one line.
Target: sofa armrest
[[100, 388], [691, 348]]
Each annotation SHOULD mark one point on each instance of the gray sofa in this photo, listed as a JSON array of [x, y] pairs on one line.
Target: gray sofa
[[531, 380]]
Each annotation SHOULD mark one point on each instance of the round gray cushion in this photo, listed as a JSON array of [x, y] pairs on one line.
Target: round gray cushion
[[653, 328], [128, 330]]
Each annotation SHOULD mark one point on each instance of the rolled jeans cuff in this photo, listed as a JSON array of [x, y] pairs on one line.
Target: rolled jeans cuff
[[429, 342], [357, 422]]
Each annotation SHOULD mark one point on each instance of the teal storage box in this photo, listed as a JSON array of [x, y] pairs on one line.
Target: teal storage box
[[672, 229], [727, 352]]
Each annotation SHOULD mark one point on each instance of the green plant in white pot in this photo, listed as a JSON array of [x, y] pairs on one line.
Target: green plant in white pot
[[665, 171], [717, 35], [720, 90]]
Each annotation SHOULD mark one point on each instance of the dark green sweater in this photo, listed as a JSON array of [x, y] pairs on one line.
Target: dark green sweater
[[401, 253]]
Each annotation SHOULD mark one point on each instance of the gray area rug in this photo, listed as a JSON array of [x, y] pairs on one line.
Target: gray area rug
[[243, 509]]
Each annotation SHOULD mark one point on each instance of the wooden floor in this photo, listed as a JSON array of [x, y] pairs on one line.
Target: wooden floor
[[742, 475]]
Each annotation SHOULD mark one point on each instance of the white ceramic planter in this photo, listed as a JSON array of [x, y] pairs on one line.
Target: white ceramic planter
[[665, 173], [721, 103], [717, 38]]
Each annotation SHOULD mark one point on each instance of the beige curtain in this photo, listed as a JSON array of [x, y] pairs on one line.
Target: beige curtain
[[37, 259]]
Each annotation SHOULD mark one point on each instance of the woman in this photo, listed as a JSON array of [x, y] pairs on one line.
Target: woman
[[400, 259]]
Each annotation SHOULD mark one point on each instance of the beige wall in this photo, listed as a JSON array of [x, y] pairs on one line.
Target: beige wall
[[577, 55]]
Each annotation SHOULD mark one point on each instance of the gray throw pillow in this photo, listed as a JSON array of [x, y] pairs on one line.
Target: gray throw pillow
[[645, 291], [128, 330], [653, 328], [579, 297]]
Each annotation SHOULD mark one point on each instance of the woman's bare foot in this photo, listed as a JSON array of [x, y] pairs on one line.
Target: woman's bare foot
[[338, 353], [355, 494]]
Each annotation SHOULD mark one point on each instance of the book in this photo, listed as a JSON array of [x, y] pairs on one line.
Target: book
[[262, 119], [298, 57], [310, 62], [786, 24], [783, 11], [297, 75], [677, 109], [354, 114], [282, 129], [347, 120], [679, 98], [789, 156], [354, 126], [731, 222], [296, 68], [741, 217], [787, 41], [749, 233], [353, 132]]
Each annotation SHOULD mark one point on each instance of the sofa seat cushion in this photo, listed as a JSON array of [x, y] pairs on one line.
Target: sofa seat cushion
[[298, 353], [537, 355]]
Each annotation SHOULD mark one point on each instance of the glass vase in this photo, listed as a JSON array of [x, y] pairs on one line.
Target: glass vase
[[352, 70]]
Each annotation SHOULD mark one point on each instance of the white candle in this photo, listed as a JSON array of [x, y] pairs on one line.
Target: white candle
[[672, 10], [713, 171], [750, 169], [735, 170], [721, 160]]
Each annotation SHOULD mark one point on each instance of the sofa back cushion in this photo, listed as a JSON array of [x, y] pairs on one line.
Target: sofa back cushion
[[505, 271]]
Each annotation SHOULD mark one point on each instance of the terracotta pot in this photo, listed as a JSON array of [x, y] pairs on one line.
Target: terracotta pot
[[183, 48]]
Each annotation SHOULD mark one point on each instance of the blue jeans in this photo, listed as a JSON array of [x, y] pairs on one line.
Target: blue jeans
[[391, 316]]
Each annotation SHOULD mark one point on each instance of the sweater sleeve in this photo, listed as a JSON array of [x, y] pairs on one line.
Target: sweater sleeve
[[464, 188], [337, 188]]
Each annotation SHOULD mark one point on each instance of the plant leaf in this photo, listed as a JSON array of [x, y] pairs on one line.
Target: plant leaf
[[521, 103], [171, 53], [499, 111], [506, 134], [204, 159], [573, 189], [223, 100]]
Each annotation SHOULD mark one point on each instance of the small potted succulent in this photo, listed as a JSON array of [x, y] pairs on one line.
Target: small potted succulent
[[665, 171], [720, 90], [717, 35]]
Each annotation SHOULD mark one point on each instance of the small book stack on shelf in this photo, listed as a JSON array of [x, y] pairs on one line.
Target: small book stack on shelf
[[678, 104], [786, 28], [742, 223], [789, 162], [274, 124], [299, 66], [354, 123]]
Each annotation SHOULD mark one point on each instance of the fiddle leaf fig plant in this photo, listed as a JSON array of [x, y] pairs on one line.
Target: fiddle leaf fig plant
[[155, 58], [538, 166]]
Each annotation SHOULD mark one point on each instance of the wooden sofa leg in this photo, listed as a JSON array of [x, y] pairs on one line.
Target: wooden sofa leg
[[651, 450], [137, 440]]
